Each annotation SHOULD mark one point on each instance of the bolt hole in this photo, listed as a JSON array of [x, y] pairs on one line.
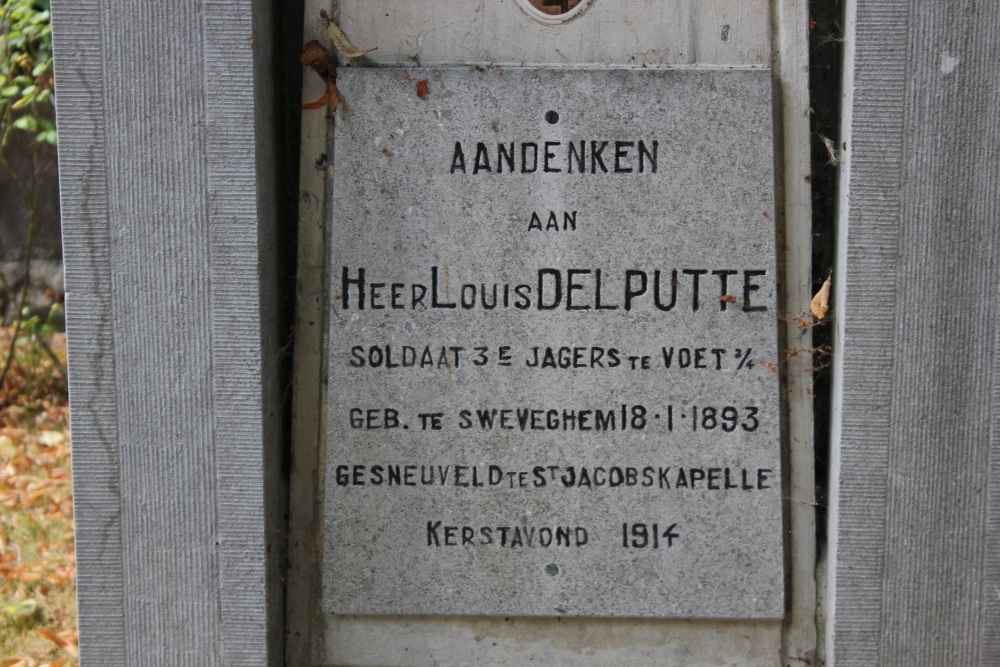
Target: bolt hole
[[552, 117]]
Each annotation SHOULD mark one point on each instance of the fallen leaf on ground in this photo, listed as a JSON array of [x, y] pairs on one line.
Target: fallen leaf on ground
[[61, 642], [51, 438]]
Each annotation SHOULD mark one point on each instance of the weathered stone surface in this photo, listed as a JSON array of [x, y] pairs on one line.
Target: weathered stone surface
[[169, 169], [434, 190]]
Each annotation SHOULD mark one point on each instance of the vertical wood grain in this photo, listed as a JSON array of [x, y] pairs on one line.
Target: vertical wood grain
[[92, 367], [165, 135], [917, 349]]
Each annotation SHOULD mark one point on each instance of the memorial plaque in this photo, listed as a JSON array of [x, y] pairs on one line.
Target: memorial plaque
[[553, 345]]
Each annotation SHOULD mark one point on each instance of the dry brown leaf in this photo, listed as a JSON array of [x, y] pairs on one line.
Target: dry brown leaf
[[314, 53], [316, 57], [831, 150], [422, 88], [820, 303], [334, 101], [54, 638], [318, 104], [728, 298], [341, 42]]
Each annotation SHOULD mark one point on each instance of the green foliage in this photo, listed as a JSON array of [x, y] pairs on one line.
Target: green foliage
[[35, 370], [25, 613], [32, 325], [26, 80], [26, 105]]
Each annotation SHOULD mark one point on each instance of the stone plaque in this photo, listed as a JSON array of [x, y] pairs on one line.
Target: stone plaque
[[553, 345]]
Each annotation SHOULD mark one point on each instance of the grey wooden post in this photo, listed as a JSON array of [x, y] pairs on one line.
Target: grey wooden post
[[168, 196], [916, 486]]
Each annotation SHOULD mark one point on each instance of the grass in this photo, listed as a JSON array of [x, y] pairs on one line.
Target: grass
[[37, 560]]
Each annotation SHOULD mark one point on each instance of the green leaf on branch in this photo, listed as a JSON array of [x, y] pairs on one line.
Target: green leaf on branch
[[26, 123], [26, 81]]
